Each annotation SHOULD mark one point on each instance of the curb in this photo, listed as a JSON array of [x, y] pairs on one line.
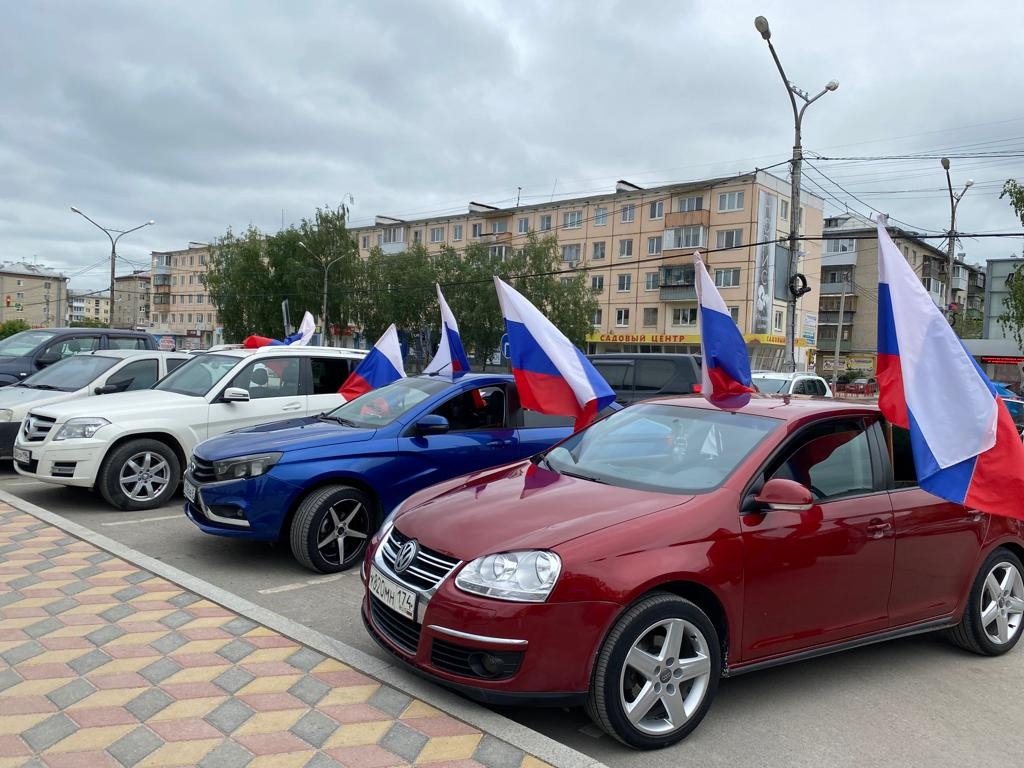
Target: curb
[[526, 739]]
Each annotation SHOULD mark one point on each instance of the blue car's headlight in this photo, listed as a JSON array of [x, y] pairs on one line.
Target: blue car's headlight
[[524, 577], [241, 467]]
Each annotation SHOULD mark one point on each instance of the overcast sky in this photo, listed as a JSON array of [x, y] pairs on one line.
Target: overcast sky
[[209, 115]]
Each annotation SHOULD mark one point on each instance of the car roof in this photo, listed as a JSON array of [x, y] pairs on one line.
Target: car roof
[[88, 330], [784, 375], [129, 353], [482, 379], [785, 407], [293, 350]]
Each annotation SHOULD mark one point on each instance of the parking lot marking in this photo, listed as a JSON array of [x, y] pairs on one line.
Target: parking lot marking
[[300, 584], [145, 520]]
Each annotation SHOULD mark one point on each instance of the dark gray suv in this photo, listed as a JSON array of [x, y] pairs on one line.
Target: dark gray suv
[[29, 351], [638, 376]]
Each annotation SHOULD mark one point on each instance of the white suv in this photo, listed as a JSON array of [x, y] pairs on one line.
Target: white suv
[[772, 382], [133, 446]]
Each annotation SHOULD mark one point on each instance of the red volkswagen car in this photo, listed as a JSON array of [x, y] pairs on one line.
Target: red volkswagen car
[[634, 564]]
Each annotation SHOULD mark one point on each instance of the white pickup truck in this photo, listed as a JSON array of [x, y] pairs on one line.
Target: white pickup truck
[[133, 446]]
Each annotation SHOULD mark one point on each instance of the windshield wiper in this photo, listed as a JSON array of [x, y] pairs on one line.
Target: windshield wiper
[[337, 419], [581, 476], [44, 386]]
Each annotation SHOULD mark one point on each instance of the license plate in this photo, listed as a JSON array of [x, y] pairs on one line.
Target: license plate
[[190, 491], [23, 456], [393, 596]]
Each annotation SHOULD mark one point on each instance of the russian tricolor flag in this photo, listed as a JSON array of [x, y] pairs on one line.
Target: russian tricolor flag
[[725, 364], [450, 358], [552, 376], [382, 366], [966, 448]]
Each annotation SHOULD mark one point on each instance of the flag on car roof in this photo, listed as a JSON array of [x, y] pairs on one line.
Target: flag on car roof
[[725, 363], [552, 376], [298, 339], [966, 448], [381, 366], [450, 358]]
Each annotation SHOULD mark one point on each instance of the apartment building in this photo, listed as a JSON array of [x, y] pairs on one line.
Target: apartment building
[[131, 300], [86, 305], [36, 294], [998, 276], [636, 246], [181, 314], [849, 284]]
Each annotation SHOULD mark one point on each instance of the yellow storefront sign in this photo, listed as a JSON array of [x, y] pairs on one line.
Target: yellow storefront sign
[[681, 338]]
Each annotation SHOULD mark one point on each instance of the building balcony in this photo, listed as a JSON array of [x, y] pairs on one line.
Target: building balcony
[[831, 318], [158, 289], [392, 248], [848, 259], [829, 346], [678, 293], [835, 289], [688, 219], [676, 257], [161, 269]]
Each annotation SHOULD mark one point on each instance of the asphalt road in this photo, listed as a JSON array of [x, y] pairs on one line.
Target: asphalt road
[[916, 702]]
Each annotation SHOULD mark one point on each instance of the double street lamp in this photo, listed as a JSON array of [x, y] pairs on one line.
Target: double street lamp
[[796, 286], [110, 233], [326, 267], [954, 201]]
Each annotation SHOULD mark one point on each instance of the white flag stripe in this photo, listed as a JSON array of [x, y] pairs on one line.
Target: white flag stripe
[[706, 386], [950, 402], [443, 357], [391, 347]]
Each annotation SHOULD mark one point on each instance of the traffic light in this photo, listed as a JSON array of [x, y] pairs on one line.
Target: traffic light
[[7, 301]]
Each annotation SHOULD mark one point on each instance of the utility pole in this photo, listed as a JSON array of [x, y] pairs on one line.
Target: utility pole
[[796, 166], [326, 265], [954, 201], [839, 332]]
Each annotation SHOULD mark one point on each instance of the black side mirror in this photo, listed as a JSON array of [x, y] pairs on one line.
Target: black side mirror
[[432, 424], [47, 358], [109, 389]]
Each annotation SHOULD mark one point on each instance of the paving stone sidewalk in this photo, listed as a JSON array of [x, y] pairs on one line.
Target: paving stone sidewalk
[[104, 664]]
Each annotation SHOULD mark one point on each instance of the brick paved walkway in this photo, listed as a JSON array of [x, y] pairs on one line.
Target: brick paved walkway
[[104, 664]]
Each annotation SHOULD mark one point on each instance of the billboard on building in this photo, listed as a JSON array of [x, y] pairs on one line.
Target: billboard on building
[[764, 262], [810, 328]]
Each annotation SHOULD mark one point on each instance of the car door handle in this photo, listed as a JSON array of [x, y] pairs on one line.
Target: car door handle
[[500, 443], [878, 528], [292, 407]]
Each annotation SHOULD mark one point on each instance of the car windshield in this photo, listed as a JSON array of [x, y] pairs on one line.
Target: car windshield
[[770, 385], [71, 373], [198, 376], [666, 448], [382, 406], [20, 344]]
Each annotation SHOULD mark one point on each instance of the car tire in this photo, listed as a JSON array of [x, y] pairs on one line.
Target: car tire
[[663, 698], [993, 620], [140, 474], [332, 527]]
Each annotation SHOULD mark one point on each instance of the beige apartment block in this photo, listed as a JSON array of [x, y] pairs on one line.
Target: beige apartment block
[[131, 301], [38, 295], [181, 314], [849, 278], [93, 306], [636, 246]]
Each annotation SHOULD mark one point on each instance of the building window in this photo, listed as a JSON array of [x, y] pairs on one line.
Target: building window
[[436, 234], [625, 283], [727, 278], [778, 319], [416, 235], [457, 232], [730, 201], [524, 225], [657, 209], [840, 245], [628, 212], [598, 251], [478, 230], [174, 298], [499, 252], [600, 216], [622, 317], [202, 259], [685, 237], [688, 204], [393, 235], [46, 286], [650, 316], [189, 317], [201, 299], [729, 238], [366, 242], [597, 283], [784, 210], [191, 279], [684, 316], [19, 282], [499, 227], [190, 298], [625, 249], [571, 253], [20, 294], [654, 245], [734, 313], [545, 223], [572, 220], [651, 281], [595, 319]]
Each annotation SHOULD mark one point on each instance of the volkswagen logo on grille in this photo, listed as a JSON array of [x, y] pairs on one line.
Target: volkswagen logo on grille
[[406, 554]]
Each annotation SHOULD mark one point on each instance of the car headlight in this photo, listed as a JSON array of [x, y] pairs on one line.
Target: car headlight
[[525, 577], [6, 414], [83, 427], [241, 467]]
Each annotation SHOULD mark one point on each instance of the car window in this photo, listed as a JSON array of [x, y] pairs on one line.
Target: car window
[[20, 344], [819, 387], [126, 342], [618, 375], [329, 373], [70, 374], [277, 377], [534, 420], [833, 460], [477, 409], [199, 375], [174, 362], [72, 345], [770, 384], [652, 375], [381, 407], [141, 374], [904, 472]]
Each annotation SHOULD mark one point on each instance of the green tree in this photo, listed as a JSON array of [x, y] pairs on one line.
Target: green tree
[[241, 285], [1012, 317], [11, 327], [89, 322]]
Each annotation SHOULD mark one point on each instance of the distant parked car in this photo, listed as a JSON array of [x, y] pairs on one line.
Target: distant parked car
[[25, 353], [639, 375], [774, 383], [87, 373]]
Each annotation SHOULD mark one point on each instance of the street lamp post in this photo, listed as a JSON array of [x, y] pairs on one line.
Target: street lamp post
[[326, 267], [795, 287], [954, 201], [113, 250]]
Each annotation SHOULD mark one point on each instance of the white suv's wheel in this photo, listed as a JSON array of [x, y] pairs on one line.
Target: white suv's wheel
[[140, 474]]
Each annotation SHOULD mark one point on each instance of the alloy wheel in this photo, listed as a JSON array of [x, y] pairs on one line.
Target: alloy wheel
[[665, 677], [1002, 603], [144, 476], [344, 529]]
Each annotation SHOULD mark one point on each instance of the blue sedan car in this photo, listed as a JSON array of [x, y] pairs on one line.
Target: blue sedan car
[[327, 483]]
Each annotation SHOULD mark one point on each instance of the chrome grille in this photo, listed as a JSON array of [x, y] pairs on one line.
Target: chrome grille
[[202, 470], [36, 428], [428, 568]]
